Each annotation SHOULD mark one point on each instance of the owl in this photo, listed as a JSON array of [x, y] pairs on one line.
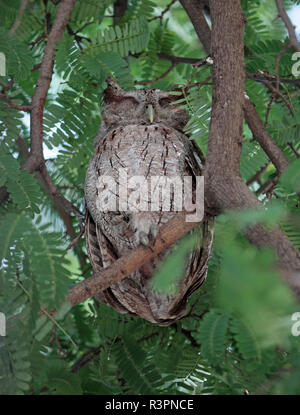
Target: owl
[[140, 138]]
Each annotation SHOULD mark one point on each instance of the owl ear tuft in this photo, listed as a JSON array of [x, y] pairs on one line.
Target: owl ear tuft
[[113, 91]]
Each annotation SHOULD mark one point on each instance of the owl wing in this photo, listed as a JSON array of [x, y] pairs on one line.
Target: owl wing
[[99, 251]]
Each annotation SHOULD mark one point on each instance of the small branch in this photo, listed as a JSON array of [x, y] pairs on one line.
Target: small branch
[[297, 154], [268, 111], [290, 28], [189, 336], [260, 76], [86, 358], [277, 63], [166, 73], [18, 20], [262, 136], [125, 265], [60, 203], [268, 186], [256, 177], [11, 104], [160, 17]]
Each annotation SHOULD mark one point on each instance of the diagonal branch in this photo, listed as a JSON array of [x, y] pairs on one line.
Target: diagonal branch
[[290, 28], [35, 161], [125, 265], [194, 9], [36, 157], [261, 134], [18, 20]]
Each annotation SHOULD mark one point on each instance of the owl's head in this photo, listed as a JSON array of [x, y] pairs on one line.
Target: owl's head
[[142, 106]]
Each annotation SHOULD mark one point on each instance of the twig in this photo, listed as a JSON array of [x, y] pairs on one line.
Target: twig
[[11, 104], [262, 136], [256, 177], [18, 20], [163, 75], [268, 110], [75, 240], [160, 17], [86, 358], [260, 76], [268, 186], [291, 145], [290, 28], [277, 63]]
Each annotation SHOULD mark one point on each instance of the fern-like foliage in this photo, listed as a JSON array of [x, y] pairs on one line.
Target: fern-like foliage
[[235, 337], [131, 37]]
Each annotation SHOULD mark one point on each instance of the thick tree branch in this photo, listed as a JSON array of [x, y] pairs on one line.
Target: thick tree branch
[[41, 179], [194, 9], [124, 266], [36, 157], [224, 186], [35, 161], [290, 28]]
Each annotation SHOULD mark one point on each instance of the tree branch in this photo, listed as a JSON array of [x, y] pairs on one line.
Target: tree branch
[[36, 157], [163, 75], [261, 134], [40, 176], [194, 9], [290, 28], [124, 266], [166, 9], [18, 20], [35, 161], [224, 188]]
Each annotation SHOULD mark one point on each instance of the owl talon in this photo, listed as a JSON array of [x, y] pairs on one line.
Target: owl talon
[[143, 238], [153, 232]]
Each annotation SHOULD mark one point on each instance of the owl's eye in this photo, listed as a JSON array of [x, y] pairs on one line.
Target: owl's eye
[[130, 100], [124, 104], [164, 102]]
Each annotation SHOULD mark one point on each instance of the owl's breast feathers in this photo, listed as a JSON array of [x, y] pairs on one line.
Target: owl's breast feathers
[[150, 151]]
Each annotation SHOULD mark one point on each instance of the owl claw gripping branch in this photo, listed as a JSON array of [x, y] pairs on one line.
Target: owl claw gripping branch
[[141, 135]]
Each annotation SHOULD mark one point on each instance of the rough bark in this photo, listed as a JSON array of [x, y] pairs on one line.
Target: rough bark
[[125, 265], [224, 186]]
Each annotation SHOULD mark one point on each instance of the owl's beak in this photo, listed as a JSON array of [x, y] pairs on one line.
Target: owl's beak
[[150, 112]]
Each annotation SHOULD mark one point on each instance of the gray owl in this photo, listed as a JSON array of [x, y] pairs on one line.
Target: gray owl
[[141, 134]]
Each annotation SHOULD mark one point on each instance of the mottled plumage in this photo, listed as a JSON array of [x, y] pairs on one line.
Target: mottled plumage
[[141, 145]]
